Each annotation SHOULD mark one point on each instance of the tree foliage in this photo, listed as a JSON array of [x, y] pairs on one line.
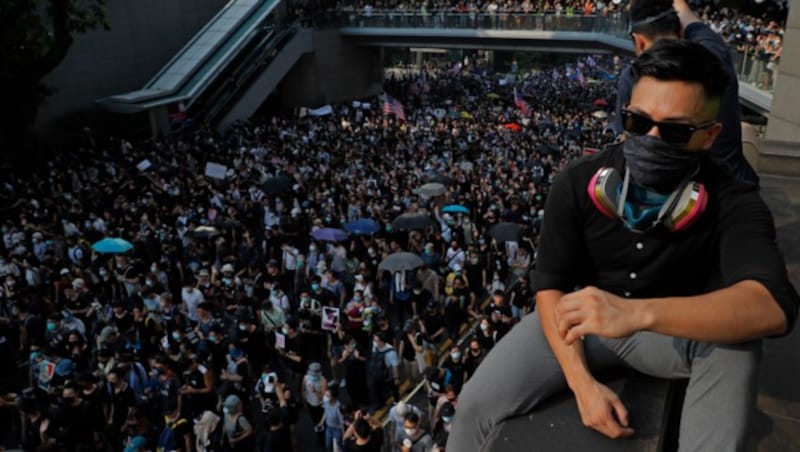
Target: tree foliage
[[35, 36]]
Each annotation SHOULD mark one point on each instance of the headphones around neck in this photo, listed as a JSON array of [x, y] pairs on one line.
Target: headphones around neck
[[608, 192]]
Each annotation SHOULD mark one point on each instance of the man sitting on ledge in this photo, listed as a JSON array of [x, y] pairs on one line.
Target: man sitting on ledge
[[680, 274]]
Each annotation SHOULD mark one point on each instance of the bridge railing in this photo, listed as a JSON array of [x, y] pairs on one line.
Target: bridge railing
[[615, 25], [754, 69]]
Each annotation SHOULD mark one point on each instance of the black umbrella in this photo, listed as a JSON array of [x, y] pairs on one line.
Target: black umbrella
[[202, 232], [400, 261], [431, 189], [441, 179], [278, 184], [505, 232], [412, 221]]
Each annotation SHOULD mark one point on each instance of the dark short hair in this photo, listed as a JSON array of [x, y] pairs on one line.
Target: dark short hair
[[412, 417], [654, 18], [362, 428], [682, 60]]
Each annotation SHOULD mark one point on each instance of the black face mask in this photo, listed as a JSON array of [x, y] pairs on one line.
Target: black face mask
[[657, 165]]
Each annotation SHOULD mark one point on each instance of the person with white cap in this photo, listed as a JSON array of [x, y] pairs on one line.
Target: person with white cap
[[238, 432], [397, 415], [313, 390]]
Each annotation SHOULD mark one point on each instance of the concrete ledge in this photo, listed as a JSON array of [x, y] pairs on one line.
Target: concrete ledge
[[557, 424], [779, 157]]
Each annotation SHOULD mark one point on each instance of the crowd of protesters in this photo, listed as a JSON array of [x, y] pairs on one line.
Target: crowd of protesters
[[228, 321], [756, 41]]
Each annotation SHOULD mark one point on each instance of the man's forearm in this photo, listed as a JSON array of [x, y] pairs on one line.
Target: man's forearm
[[739, 313], [570, 357]]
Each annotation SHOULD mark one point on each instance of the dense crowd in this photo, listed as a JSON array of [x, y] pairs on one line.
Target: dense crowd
[[240, 306], [757, 41]]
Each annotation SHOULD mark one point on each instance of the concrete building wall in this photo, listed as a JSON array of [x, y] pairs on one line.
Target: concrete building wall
[[336, 71], [784, 118], [144, 35]]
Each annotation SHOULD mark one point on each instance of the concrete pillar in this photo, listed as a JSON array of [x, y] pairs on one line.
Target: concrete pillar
[[418, 58], [784, 117], [159, 121]]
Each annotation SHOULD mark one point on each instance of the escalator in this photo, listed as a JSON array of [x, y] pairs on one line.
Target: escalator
[[242, 28]]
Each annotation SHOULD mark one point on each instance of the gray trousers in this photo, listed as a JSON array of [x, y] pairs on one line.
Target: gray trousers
[[521, 371]]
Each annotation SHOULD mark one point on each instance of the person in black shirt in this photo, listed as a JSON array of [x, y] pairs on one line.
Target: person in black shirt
[[473, 358], [676, 269], [455, 364], [197, 391], [432, 325], [279, 437], [363, 435], [292, 355], [38, 434], [523, 300], [499, 314]]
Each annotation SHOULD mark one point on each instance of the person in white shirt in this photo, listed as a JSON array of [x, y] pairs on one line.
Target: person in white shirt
[[191, 297], [455, 256], [289, 257]]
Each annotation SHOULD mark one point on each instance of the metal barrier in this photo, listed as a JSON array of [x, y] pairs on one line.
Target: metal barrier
[[443, 354]]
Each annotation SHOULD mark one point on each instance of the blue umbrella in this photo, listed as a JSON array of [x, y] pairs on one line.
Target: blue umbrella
[[113, 245], [329, 235], [362, 226], [455, 208]]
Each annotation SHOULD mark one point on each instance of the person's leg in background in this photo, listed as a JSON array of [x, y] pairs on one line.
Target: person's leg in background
[[494, 393]]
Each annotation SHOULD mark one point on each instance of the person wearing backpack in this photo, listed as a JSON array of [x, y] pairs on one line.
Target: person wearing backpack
[[383, 373], [177, 432], [238, 434]]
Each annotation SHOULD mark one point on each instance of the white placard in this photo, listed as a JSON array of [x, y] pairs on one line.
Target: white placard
[[216, 170], [143, 165]]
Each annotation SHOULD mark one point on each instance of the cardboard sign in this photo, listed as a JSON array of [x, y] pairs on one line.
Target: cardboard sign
[[46, 371], [143, 165], [330, 317], [215, 170]]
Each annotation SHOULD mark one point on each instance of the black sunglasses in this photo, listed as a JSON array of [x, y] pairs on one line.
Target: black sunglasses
[[671, 132]]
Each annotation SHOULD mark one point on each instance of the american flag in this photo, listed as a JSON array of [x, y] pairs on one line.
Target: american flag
[[523, 106], [392, 105]]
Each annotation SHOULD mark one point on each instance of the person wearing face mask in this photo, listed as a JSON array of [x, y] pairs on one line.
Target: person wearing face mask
[[312, 390], [416, 439], [238, 433], [198, 387], [293, 353], [191, 299], [235, 376], [473, 357], [271, 317], [654, 20], [383, 370], [666, 267], [441, 429], [73, 413], [455, 364], [332, 420]]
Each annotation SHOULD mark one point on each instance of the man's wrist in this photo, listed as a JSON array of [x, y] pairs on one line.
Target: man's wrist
[[579, 380], [644, 315]]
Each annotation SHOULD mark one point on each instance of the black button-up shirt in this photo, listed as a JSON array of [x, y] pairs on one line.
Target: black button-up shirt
[[733, 240]]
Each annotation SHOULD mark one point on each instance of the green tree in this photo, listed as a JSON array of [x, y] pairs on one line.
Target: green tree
[[35, 36]]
